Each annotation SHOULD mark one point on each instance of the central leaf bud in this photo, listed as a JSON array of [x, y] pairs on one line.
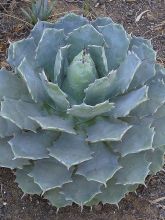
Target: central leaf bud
[[80, 73]]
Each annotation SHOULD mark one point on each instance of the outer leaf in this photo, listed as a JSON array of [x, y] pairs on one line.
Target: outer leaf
[[98, 55], [103, 165], [50, 174], [115, 83], [156, 157], [106, 129], [78, 150], [81, 37], [55, 123], [52, 39], [137, 139], [57, 198], [159, 137], [147, 67], [130, 163], [88, 111], [17, 88], [80, 190], [31, 145], [7, 128], [20, 49], [101, 21], [38, 30], [118, 43], [7, 157], [112, 193], [156, 97], [124, 104], [32, 81], [71, 22], [25, 182], [21, 111]]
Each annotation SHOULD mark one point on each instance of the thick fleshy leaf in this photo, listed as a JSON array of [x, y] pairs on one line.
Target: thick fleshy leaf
[[25, 182], [102, 166], [81, 37], [98, 55], [147, 68], [124, 104], [12, 86], [88, 111], [101, 21], [7, 128], [156, 96], [130, 163], [156, 157], [55, 93], [117, 44], [159, 137], [20, 49], [31, 145], [115, 83], [7, 157], [78, 150], [52, 39], [106, 129], [61, 65], [80, 190], [70, 22], [50, 174], [38, 30], [137, 41], [112, 193], [21, 111], [55, 123], [137, 139], [56, 198], [32, 81]]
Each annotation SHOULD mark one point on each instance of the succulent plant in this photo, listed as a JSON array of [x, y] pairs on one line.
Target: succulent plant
[[40, 9], [82, 111]]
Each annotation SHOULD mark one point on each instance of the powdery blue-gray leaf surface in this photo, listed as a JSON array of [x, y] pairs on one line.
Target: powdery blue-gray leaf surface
[[102, 166], [25, 182], [76, 146], [82, 111], [81, 190], [50, 174]]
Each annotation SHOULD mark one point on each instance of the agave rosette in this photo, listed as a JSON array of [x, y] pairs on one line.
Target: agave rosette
[[82, 112]]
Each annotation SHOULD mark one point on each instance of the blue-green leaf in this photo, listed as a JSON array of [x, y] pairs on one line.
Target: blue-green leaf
[[137, 139], [80, 190], [25, 182], [81, 37], [7, 128], [102, 166], [56, 198], [124, 104], [20, 49], [117, 44], [31, 145], [130, 163], [70, 150], [106, 129], [50, 42], [21, 111], [7, 157], [50, 174], [55, 123], [88, 111]]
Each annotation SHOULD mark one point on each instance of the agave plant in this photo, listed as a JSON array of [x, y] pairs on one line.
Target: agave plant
[[40, 9], [82, 112]]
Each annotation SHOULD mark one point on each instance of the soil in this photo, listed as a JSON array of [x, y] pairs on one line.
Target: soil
[[148, 203]]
